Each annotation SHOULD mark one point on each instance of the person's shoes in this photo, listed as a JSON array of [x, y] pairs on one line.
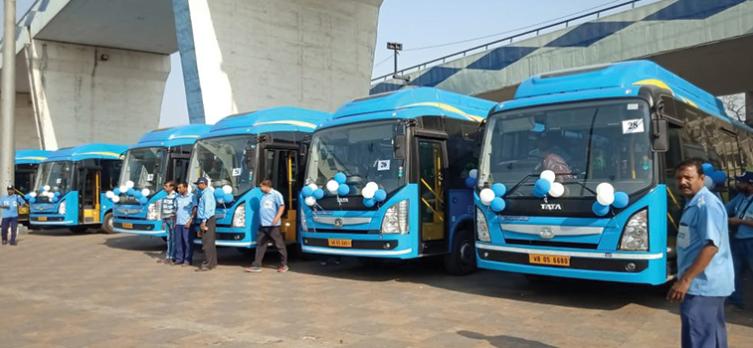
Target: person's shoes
[[5, 242], [186, 264], [283, 269], [253, 269], [203, 269], [13, 243]]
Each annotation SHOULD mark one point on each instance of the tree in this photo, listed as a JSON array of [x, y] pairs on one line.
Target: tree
[[734, 104]]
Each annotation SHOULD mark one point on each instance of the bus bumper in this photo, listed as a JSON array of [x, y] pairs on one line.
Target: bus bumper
[[52, 220], [624, 267], [140, 227], [395, 246]]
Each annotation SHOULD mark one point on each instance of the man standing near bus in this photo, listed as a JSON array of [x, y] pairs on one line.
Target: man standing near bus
[[168, 220], [205, 214], [741, 234], [185, 208], [9, 205], [705, 276], [271, 208]]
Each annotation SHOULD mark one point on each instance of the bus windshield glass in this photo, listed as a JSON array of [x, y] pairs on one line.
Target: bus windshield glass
[[584, 144], [225, 161], [58, 175], [363, 152], [145, 167]]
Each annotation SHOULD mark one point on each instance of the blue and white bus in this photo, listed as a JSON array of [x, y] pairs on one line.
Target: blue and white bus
[[71, 184], [387, 178], [159, 156], [27, 162], [242, 150], [576, 175]]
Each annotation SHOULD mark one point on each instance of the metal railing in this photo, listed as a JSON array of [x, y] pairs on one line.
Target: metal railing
[[509, 40]]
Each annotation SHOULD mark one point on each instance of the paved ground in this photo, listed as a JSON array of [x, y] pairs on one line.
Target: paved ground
[[64, 290]]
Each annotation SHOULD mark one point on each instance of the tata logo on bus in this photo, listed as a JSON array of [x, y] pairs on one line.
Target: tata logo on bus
[[342, 200], [550, 206]]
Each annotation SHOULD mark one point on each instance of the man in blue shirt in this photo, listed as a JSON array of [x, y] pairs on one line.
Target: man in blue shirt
[[205, 214], [741, 232], [185, 208], [271, 207], [9, 205], [705, 275]]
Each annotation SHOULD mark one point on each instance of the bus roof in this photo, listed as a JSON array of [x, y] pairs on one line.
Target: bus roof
[[275, 119], [88, 151], [29, 156], [410, 103], [173, 136], [617, 80]]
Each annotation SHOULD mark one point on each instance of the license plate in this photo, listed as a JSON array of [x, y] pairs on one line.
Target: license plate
[[42, 218], [551, 260], [340, 243], [127, 225]]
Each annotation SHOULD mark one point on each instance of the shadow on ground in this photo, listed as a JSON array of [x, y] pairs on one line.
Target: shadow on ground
[[504, 341]]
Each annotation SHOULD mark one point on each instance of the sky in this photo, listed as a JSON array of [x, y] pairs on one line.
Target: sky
[[427, 29]]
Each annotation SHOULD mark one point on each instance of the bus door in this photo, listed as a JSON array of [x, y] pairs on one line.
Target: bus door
[[177, 165], [432, 162], [281, 166], [89, 189]]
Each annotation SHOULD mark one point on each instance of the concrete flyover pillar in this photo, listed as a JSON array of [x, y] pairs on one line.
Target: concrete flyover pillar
[[85, 93], [25, 124], [749, 107], [241, 55]]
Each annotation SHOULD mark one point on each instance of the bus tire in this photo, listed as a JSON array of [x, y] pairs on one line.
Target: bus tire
[[462, 258], [107, 224]]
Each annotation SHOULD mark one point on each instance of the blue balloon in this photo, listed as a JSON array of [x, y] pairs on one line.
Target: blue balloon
[[219, 193], [32, 200], [380, 195], [719, 177], [57, 194], [621, 200], [600, 210], [116, 191], [228, 197], [54, 199], [470, 182], [343, 190], [131, 192], [27, 197], [137, 194], [142, 200], [369, 202], [707, 168], [498, 204], [307, 191], [499, 189], [340, 178], [541, 187], [319, 193]]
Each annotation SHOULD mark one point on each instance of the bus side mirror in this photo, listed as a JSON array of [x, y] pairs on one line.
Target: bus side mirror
[[660, 136], [399, 146]]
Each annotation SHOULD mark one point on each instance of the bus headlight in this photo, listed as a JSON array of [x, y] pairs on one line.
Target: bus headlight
[[304, 226], [396, 218], [153, 210], [635, 233], [482, 227], [239, 216], [61, 208]]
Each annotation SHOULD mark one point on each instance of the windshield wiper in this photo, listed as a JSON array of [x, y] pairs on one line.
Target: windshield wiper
[[575, 181], [515, 187]]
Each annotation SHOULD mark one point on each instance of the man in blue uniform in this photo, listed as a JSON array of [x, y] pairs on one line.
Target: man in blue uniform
[[705, 276], [9, 205], [741, 233], [271, 208], [205, 214], [185, 209]]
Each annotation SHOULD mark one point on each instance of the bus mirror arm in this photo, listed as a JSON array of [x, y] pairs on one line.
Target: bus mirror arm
[[659, 135]]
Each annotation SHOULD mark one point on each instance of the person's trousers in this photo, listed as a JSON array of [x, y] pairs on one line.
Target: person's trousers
[[742, 259], [9, 223], [266, 234], [703, 323], [183, 244], [169, 225], [207, 240]]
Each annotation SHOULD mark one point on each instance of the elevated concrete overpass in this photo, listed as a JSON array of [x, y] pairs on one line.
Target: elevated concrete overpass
[[95, 70], [708, 42]]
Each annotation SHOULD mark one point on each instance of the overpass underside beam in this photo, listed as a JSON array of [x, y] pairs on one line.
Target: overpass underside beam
[[82, 94]]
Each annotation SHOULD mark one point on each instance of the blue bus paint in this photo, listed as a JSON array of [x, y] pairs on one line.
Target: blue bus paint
[[161, 155], [420, 118], [254, 142], [27, 162], [560, 236], [65, 172]]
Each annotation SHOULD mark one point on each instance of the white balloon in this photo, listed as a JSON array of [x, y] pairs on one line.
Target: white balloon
[[332, 186], [33, 194], [487, 196], [123, 189], [367, 192], [605, 198], [46, 187], [605, 188], [708, 182], [372, 186], [547, 175], [116, 199], [129, 184], [313, 187], [557, 190], [145, 192], [109, 194], [49, 194], [310, 201], [473, 173], [227, 189]]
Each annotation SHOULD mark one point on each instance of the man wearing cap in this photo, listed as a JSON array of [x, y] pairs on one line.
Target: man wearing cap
[[740, 210], [205, 214], [9, 205]]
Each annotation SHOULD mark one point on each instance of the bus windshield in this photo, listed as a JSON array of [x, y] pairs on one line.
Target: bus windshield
[[58, 175], [145, 167], [363, 152], [585, 144], [225, 161]]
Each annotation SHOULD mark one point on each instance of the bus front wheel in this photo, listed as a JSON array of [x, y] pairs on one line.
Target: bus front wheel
[[462, 258], [107, 225]]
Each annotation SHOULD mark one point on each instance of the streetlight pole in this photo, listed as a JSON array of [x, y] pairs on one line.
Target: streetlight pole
[[8, 98], [395, 47]]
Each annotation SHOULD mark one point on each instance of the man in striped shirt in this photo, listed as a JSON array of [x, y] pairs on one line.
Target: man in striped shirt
[[168, 220]]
